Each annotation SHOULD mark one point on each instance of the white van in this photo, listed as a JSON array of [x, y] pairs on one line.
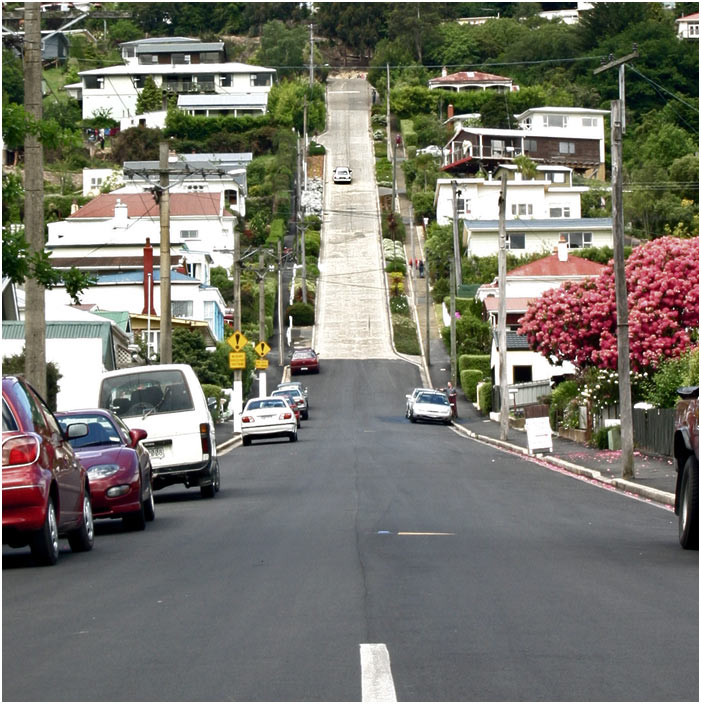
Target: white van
[[167, 401]]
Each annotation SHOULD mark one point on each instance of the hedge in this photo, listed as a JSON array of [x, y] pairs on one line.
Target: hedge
[[469, 378], [312, 243], [485, 398], [475, 361], [302, 313]]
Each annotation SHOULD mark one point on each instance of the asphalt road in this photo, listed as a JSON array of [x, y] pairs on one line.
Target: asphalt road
[[484, 576]]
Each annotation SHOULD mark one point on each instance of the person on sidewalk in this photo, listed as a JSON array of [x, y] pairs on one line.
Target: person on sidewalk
[[421, 268]]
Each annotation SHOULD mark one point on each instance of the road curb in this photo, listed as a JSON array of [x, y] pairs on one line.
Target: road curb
[[645, 492]]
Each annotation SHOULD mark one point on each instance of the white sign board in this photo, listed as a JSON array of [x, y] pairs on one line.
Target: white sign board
[[539, 434]]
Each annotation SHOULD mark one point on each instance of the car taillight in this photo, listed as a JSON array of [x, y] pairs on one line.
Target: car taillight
[[285, 416], [204, 438], [248, 419], [20, 450]]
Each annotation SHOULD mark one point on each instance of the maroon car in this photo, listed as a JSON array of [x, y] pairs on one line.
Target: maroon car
[[304, 359], [45, 489], [118, 465]]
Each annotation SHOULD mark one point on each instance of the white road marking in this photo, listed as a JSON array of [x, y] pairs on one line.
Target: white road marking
[[376, 673]]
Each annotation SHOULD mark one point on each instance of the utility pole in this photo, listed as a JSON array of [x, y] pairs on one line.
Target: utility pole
[[389, 129], [304, 264], [311, 55], [35, 311], [453, 350], [503, 371], [237, 390], [428, 317], [166, 342], [456, 234], [619, 270], [280, 323], [262, 333], [394, 172]]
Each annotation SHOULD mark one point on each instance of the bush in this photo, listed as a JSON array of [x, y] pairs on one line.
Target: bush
[[485, 398], [670, 375], [396, 265], [312, 243], [561, 396], [214, 391], [302, 313], [469, 378], [475, 361], [316, 149], [15, 365]]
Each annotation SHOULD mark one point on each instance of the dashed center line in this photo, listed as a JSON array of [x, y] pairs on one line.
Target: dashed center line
[[376, 673]]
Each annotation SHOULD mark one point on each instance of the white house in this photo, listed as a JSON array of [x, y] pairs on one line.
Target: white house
[[524, 285], [688, 26], [94, 180], [471, 80], [550, 195], [115, 89]]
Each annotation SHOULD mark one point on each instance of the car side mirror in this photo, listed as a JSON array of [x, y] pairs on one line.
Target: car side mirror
[[76, 430], [137, 435]]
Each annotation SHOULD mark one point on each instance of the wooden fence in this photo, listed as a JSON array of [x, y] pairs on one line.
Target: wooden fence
[[653, 430]]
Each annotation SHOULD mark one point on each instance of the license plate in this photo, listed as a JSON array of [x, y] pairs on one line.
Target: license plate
[[157, 452]]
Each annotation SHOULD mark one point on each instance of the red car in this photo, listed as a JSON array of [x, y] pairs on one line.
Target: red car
[[118, 465], [45, 489], [304, 359]]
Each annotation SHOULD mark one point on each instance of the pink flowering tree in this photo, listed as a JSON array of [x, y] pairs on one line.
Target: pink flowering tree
[[577, 322]]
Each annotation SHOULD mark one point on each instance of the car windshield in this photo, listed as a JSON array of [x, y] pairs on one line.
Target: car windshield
[[257, 404], [146, 393], [101, 430], [437, 399]]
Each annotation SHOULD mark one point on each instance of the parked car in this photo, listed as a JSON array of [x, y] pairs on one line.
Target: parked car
[[296, 399], [268, 417], [293, 405], [304, 359], [431, 405], [296, 385], [410, 398], [167, 402], [432, 149], [686, 462], [118, 466], [45, 489], [342, 174]]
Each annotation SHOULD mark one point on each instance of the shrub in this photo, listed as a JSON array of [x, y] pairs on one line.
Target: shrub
[[396, 265], [312, 243], [316, 149], [485, 398], [469, 378], [302, 313], [212, 390], [475, 361], [561, 396], [15, 365]]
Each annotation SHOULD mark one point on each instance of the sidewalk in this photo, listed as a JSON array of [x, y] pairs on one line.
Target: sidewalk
[[655, 477]]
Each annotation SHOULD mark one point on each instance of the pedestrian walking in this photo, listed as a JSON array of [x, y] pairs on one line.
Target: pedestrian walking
[[421, 268]]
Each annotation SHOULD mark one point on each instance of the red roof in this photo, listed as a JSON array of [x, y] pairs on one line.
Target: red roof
[[469, 77], [693, 16], [552, 266], [143, 205]]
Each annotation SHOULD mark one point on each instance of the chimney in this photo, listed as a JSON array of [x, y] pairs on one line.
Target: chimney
[[74, 206], [562, 249], [444, 72], [451, 111], [121, 215], [148, 278]]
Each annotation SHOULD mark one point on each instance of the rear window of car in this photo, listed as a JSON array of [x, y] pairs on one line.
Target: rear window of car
[[158, 391], [267, 403], [302, 354]]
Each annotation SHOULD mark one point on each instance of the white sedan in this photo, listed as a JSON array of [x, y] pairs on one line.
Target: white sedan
[[410, 398], [268, 417], [342, 174], [431, 405]]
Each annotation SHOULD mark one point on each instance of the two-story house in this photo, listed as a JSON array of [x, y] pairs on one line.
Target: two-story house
[[572, 137], [185, 68], [539, 212]]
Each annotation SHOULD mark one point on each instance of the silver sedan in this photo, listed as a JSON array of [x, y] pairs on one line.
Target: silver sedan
[[431, 405], [268, 417]]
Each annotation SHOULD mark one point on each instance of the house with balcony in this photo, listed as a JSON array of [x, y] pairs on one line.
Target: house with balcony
[[184, 67], [471, 80], [572, 137]]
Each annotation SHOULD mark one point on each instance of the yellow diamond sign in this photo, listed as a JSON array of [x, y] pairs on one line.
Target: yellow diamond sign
[[237, 341], [262, 348]]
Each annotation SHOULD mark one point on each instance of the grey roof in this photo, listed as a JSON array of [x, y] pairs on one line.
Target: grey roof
[[223, 100], [224, 157], [514, 341], [160, 40], [542, 224], [137, 277], [179, 46]]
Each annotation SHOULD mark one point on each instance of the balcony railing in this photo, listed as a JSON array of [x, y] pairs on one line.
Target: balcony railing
[[189, 87]]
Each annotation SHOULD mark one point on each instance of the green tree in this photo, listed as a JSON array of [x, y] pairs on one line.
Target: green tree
[[136, 144], [150, 99], [14, 364], [282, 47], [211, 367], [218, 277], [12, 78], [357, 26]]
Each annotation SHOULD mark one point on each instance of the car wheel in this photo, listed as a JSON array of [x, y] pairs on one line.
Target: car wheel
[[689, 506], [207, 491], [293, 436], [246, 441], [150, 504], [83, 538], [45, 543], [217, 482], [136, 520], [306, 415], [411, 418]]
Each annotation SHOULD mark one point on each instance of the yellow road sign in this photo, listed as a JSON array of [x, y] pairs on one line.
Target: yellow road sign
[[261, 363], [237, 341], [262, 348], [237, 360]]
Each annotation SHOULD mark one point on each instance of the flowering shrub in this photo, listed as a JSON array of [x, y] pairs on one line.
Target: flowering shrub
[[577, 322]]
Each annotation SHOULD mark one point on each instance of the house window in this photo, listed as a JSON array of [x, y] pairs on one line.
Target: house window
[[498, 146], [463, 205], [225, 79], [566, 148], [260, 79], [522, 373], [555, 176], [559, 211], [94, 82], [555, 120], [515, 241], [181, 309], [188, 234], [209, 313], [96, 181], [519, 209], [530, 145], [526, 124], [577, 240], [590, 121], [128, 51]]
